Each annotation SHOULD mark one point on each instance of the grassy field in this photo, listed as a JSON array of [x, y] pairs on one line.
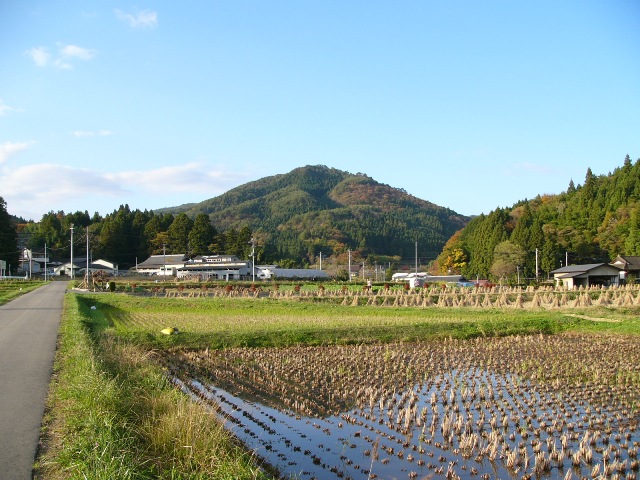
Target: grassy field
[[259, 322], [113, 413], [10, 289]]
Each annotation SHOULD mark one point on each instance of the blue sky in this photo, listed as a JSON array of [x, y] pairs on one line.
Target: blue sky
[[469, 105]]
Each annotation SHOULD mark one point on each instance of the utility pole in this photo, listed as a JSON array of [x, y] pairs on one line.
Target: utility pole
[[72, 251], [253, 258], [349, 272], [87, 270], [536, 264], [320, 260], [45, 262], [164, 261], [416, 256]]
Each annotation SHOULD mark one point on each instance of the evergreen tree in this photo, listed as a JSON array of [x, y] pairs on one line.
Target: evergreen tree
[[632, 243], [139, 241], [152, 229], [243, 245], [549, 256], [8, 238], [202, 235], [179, 234], [50, 228], [112, 242]]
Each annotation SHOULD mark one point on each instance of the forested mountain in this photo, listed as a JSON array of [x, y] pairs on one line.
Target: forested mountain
[[294, 218], [317, 209], [589, 223]]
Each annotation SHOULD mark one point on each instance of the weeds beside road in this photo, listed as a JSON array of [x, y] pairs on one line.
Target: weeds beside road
[[113, 414]]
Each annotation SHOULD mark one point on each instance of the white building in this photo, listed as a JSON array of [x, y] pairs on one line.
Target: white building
[[80, 267], [165, 265], [32, 263], [270, 272], [216, 267]]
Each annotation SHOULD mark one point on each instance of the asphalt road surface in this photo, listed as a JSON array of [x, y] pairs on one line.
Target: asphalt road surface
[[28, 333]]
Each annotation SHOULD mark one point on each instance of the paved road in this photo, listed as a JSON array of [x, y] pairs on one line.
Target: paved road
[[28, 333]]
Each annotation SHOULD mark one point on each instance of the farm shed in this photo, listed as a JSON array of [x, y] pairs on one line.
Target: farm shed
[[575, 276], [97, 265], [630, 265]]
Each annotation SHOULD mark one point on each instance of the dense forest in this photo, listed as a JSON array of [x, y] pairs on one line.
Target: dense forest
[[128, 237], [315, 209], [294, 218], [8, 238], [589, 223]]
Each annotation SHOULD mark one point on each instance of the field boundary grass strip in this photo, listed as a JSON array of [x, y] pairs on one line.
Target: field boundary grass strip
[[113, 413]]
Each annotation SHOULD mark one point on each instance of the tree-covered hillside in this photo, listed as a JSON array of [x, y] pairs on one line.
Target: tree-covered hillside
[[317, 209], [294, 218], [589, 223], [8, 238]]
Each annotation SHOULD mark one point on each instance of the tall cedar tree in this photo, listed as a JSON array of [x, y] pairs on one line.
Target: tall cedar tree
[[8, 238]]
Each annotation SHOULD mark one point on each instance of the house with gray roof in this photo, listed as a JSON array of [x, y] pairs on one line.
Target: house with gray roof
[[630, 266], [164, 265], [576, 276]]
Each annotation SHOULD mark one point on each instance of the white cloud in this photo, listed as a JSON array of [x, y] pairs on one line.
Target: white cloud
[[143, 19], [76, 52], [84, 133], [32, 190], [6, 109], [71, 189], [61, 64], [66, 53], [39, 55], [9, 149], [191, 177]]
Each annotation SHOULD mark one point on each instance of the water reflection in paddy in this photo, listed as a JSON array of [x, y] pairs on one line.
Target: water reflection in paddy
[[466, 422]]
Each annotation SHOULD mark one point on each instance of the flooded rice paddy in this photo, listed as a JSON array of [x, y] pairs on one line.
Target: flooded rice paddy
[[564, 406]]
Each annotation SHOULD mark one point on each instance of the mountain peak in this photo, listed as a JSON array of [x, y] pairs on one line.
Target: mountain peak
[[316, 206]]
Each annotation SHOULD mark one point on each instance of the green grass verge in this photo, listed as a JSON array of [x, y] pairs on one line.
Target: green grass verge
[[113, 414], [10, 289]]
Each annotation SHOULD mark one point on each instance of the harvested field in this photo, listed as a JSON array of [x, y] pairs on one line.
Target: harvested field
[[561, 406]]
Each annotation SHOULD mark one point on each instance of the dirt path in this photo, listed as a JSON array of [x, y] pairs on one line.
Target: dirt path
[[593, 319]]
